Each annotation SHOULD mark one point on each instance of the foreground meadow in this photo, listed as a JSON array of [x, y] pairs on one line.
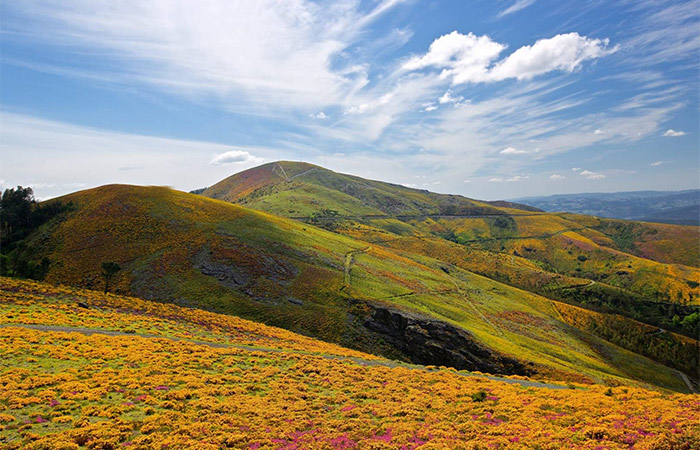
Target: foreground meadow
[[172, 377]]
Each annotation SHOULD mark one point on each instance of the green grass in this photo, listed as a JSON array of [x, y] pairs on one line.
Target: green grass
[[162, 238]]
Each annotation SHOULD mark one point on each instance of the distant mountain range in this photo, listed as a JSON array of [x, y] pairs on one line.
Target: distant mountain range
[[676, 207]]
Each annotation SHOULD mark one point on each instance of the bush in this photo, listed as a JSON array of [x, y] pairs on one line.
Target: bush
[[479, 396]]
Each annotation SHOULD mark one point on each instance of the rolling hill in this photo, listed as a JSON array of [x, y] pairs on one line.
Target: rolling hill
[[122, 372], [295, 189], [647, 272], [410, 305], [657, 261]]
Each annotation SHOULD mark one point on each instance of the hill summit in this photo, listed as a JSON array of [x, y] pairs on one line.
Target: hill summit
[[295, 189]]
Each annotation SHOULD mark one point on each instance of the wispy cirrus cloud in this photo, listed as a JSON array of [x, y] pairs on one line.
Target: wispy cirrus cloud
[[464, 104], [243, 54], [515, 7], [56, 146]]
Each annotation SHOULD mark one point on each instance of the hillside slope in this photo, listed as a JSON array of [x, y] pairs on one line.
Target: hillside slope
[[656, 261], [294, 189], [648, 272], [200, 252], [128, 373]]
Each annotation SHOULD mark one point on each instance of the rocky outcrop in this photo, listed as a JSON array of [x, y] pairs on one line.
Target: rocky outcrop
[[428, 341]]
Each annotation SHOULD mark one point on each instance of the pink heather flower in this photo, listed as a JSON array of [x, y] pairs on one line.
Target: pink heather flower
[[386, 437], [343, 442]]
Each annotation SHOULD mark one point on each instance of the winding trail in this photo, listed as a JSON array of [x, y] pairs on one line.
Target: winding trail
[[300, 174], [283, 175], [349, 260], [360, 361]]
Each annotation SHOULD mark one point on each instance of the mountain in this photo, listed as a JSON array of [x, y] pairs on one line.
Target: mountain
[[646, 272], [411, 305], [357, 207], [301, 190], [84, 369], [680, 207]]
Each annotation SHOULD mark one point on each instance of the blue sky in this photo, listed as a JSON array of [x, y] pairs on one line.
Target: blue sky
[[489, 99]]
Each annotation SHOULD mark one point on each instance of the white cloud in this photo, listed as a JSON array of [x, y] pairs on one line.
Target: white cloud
[[463, 57], [518, 178], [364, 107], [592, 175], [495, 179], [515, 7], [657, 163], [512, 151], [321, 115], [358, 109], [264, 54], [576, 169], [674, 133], [563, 52], [556, 177], [598, 131], [470, 58], [429, 108], [317, 68], [235, 156], [448, 98], [467, 181]]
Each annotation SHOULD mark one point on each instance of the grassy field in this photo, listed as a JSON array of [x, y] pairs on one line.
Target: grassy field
[[647, 272], [174, 377], [210, 254]]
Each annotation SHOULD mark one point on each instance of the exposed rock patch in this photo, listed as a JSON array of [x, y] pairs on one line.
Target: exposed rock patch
[[432, 342]]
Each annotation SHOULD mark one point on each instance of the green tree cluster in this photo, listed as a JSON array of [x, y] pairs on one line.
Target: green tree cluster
[[20, 214]]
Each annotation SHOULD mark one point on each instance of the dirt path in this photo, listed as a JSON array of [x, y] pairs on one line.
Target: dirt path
[[687, 382], [360, 361], [349, 259], [282, 175], [300, 174]]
